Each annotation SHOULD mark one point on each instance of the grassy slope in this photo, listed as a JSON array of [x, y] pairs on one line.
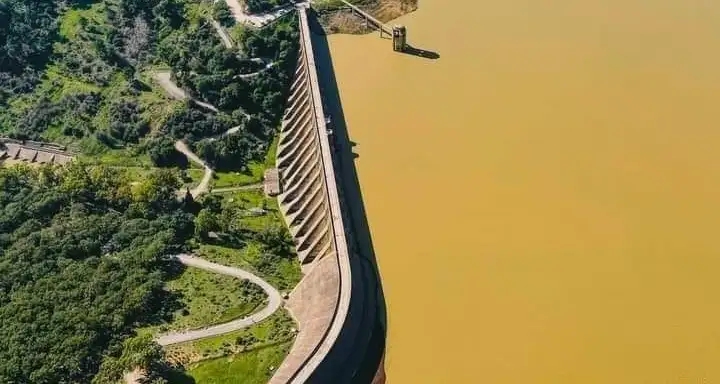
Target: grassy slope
[[254, 174], [253, 367], [246, 355], [223, 359], [283, 273], [249, 356], [125, 157], [211, 298], [195, 175], [58, 83]]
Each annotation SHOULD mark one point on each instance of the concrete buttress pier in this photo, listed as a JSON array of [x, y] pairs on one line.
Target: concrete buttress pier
[[335, 302]]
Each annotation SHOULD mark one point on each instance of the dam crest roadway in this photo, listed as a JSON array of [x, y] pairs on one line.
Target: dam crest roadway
[[338, 304]]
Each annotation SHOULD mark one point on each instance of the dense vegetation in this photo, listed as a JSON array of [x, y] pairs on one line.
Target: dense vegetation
[[28, 29], [83, 249], [82, 262], [75, 74], [247, 88], [80, 73], [258, 242]]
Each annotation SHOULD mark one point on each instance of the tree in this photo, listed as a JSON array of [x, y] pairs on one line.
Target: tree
[[229, 221], [127, 124], [163, 154], [29, 29], [205, 222], [138, 353], [212, 203], [276, 241], [78, 271], [221, 13], [136, 39], [157, 191]]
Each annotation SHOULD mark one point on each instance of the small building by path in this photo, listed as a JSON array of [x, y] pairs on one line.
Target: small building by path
[[271, 182]]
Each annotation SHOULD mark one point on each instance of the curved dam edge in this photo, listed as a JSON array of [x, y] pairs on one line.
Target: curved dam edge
[[338, 304], [365, 331]]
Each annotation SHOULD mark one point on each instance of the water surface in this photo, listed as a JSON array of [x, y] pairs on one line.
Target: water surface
[[544, 198]]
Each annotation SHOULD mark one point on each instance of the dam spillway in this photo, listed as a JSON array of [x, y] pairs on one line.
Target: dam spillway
[[335, 304]]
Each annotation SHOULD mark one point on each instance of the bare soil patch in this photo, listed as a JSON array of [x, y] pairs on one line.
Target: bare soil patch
[[343, 21]]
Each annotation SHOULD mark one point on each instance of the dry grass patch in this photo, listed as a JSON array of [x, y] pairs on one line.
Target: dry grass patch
[[343, 21], [388, 10]]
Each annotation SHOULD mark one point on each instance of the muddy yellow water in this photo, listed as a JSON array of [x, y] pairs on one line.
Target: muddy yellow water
[[544, 198]]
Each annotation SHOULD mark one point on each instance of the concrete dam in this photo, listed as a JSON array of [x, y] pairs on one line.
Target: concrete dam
[[338, 304]]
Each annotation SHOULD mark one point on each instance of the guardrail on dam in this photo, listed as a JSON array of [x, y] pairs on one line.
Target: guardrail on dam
[[335, 303]]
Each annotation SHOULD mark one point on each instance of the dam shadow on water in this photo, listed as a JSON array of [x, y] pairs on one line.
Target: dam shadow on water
[[352, 199]]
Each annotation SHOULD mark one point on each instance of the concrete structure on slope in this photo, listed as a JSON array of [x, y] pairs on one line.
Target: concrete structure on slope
[[335, 304], [32, 152]]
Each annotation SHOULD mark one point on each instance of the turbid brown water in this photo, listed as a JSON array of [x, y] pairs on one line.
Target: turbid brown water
[[544, 198]]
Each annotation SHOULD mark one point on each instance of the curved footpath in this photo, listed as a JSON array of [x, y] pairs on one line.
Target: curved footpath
[[204, 184], [164, 79], [274, 303], [227, 41], [274, 298]]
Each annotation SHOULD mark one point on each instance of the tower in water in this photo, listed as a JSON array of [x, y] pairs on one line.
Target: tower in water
[[399, 38]]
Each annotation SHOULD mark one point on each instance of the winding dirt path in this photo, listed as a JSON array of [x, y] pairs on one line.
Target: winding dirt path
[[204, 184], [164, 79], [274, 298], [227, 41], [273, 304], [274, 301], [268, 64]]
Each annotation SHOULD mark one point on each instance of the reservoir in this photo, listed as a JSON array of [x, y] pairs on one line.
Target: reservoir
[[544, 198]]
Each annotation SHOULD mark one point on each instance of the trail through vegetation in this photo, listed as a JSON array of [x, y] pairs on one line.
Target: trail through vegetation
[[84, 249]]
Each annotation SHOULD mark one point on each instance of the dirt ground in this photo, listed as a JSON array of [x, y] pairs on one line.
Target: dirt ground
[[134, 377], [343, 21]]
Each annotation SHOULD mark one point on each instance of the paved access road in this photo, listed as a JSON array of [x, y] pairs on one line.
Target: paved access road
[[273, 304]]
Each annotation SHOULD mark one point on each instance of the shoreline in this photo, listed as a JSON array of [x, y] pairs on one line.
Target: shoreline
[[337, 19]]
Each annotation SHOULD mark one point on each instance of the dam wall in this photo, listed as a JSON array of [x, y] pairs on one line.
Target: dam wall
[[335, 302]]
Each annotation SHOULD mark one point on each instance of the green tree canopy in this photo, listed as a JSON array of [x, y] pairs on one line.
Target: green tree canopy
[[82, 262]]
